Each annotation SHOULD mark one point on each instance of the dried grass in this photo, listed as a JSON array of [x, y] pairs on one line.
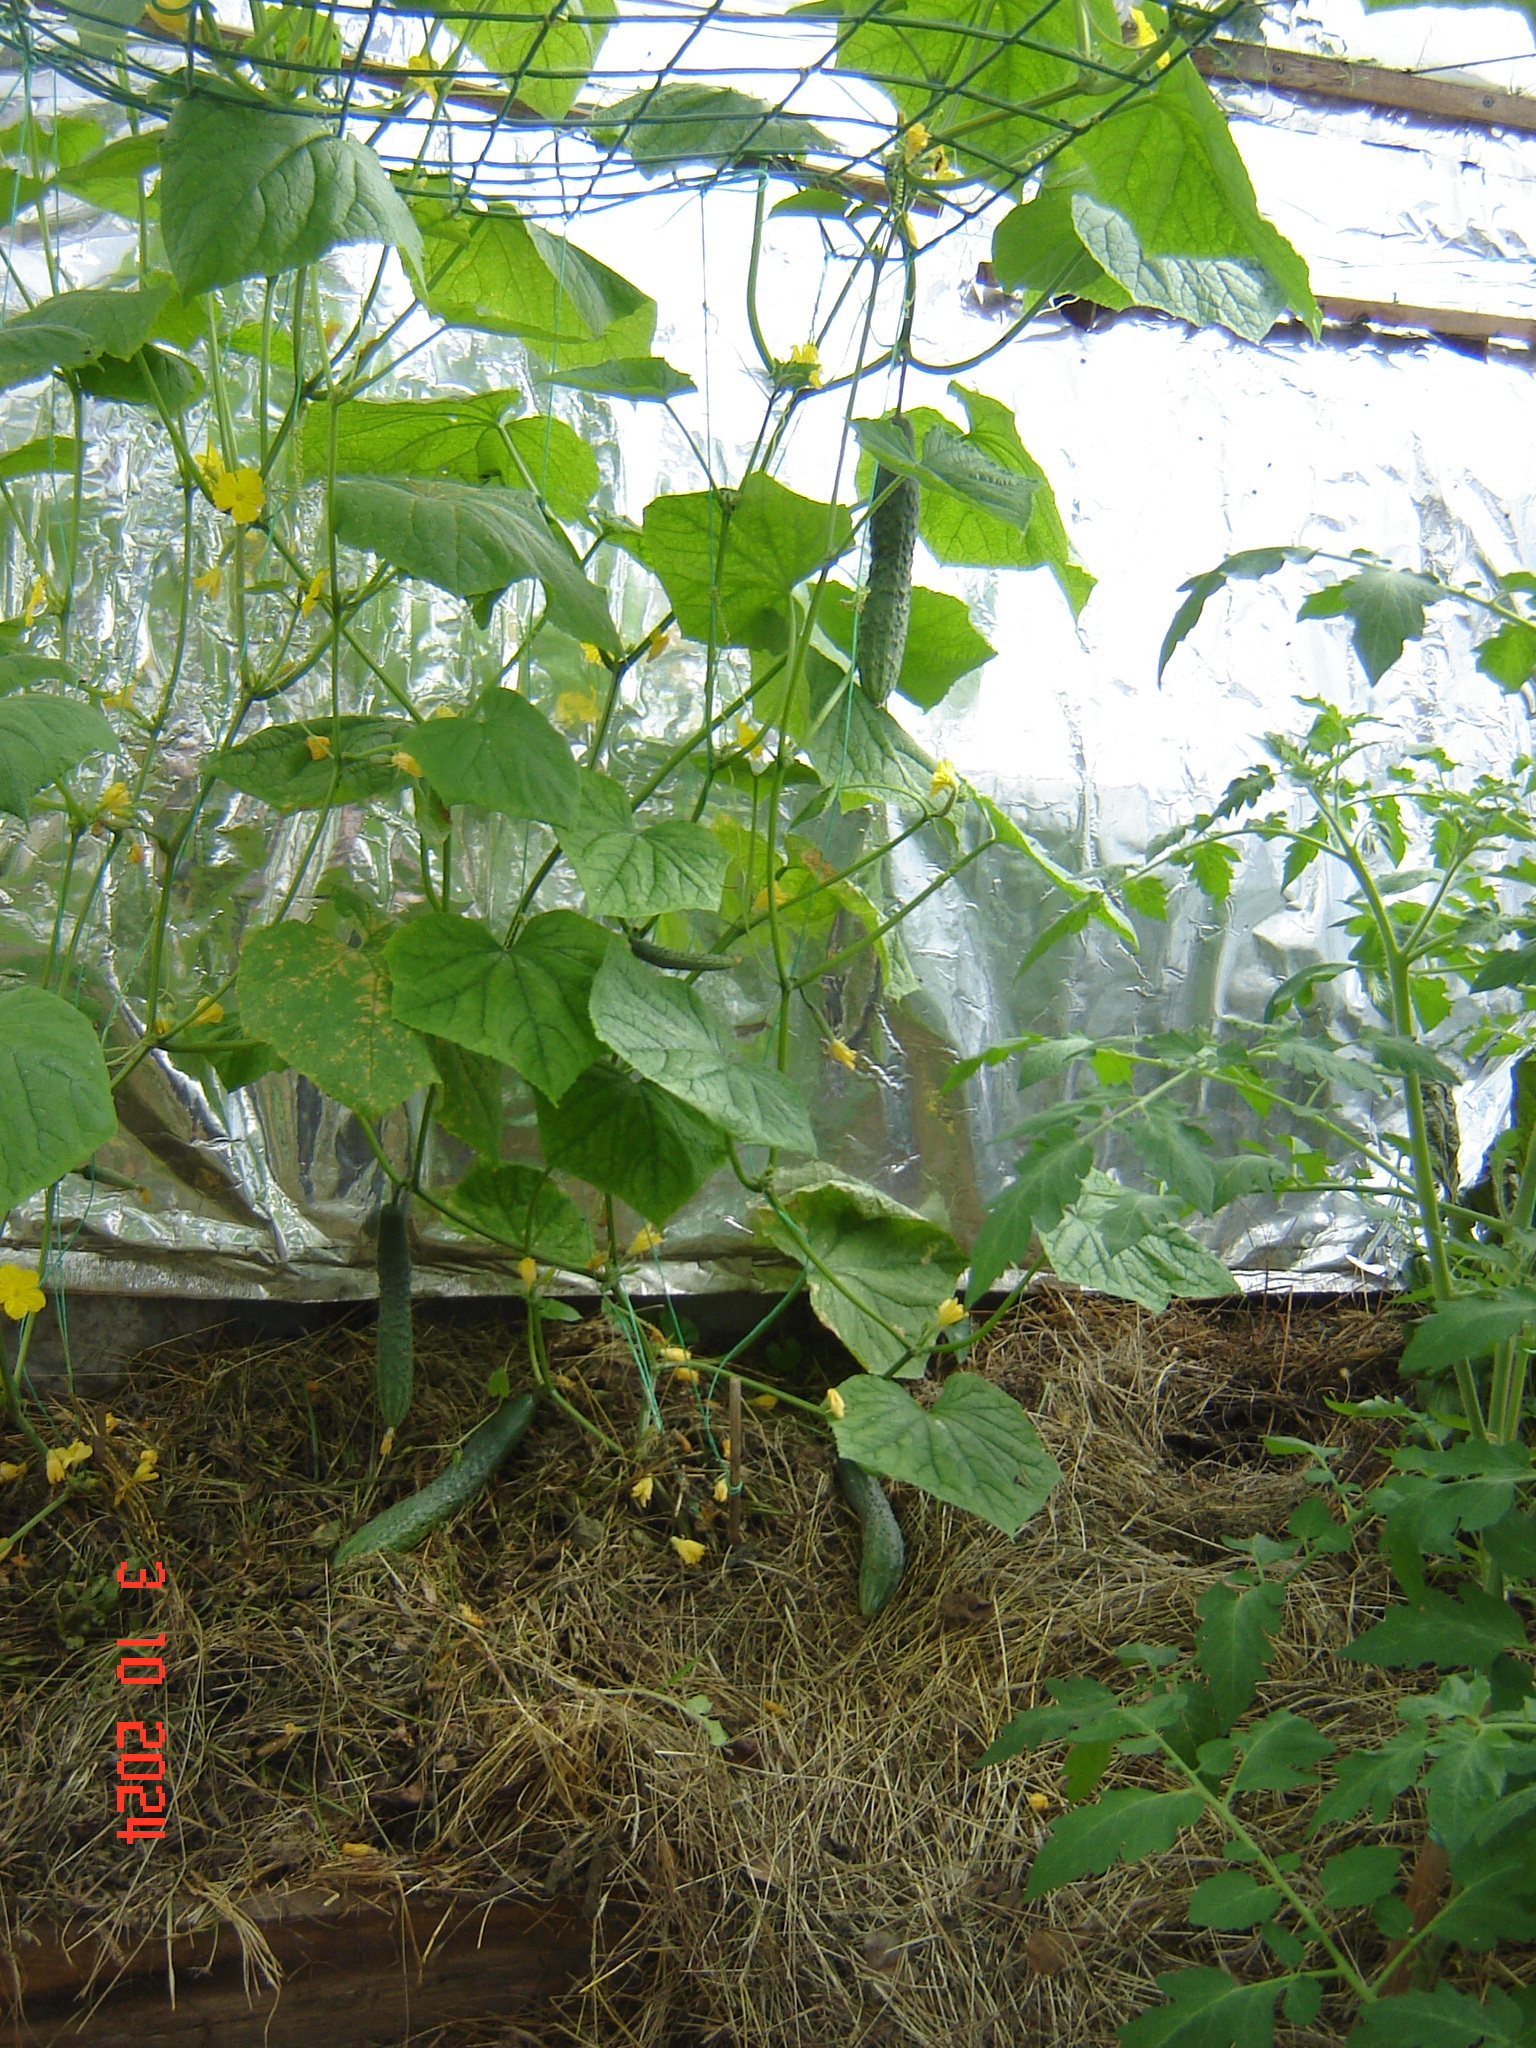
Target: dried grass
[[503, 1710]]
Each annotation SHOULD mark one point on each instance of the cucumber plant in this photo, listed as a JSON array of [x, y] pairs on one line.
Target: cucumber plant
[[564, 951]]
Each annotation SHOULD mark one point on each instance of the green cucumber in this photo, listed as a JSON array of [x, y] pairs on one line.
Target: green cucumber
[[887, 612], [885, 1555], [395, 1366], [412, 1520]]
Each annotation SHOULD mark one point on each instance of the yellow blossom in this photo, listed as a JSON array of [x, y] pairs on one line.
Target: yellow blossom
[[111, 1423], [645, 1240], [764, 1403], [725, 1447], [642, 1490], [843, 1054], [313, 594], [8, 1472], [114, 799], [60, 1462], [528, 1271], [747, 736], [673, 1354], [773, 1707], [687, 1549], [357, 1849], [445, 711], [806, 356], [722, 1491], [658, 643], [21, 1292], [136, 855], [172, 17], [386, 1443], [406, 763], [467, 1613], [685, 1375], [1037, 1802], [1146, 35], [837, 1406], [37, 602], [591, 654], [146, 1475], [319, 745], [241, 493], [121, 699], [760, 900], [211, 463], [915, 141], [211, 582], [208, 1012], [944, 780], [576, 707], [421, 64], [949, 1313]]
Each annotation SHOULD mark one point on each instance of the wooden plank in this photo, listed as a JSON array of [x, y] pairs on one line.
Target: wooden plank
[[1453, 102], [1438, 320], [357, 1973]]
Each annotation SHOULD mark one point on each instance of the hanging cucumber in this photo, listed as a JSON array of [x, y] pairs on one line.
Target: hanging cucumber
[[412, 1520], [888, 600], [396, 1359], [885, 1555]]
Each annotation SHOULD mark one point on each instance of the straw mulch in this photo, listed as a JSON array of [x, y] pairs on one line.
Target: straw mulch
[[507, 1709]]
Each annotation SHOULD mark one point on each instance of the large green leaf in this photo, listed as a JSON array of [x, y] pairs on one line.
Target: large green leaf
[[277, 764], [1386, 607], [1122, 1826], [495, 271], [113, 177], [876, 1270], [465, 437], [729, 579], [246, 191], [1446, 2017], [1443, 1631], [942, 644], [525, 1005], [52, 455], [472, 540], [1231, 1901], [520, 1207], [1467, 1328], [505, 757], [640, 873], [860, 749], [41, 739], [642, 379], [544, 59], [966, 536], [75, 328], [325, 1009], [1162, 202], [673, 123], [954, 467], [629, 1138], [661, 1027], [975, 1447], [469, 1101], [1036, 251], [1280, 1755], [1359, 1876], [1234, 1646], [1048, 1181], [55, 1093], [154, 377], [1163, 1264], [1371, 1779], [1207, 2009]]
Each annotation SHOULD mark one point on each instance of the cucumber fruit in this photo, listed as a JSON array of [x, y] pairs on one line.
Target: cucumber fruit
[[412, 1520], [395, 1364], [887, 609], [885, 1555]]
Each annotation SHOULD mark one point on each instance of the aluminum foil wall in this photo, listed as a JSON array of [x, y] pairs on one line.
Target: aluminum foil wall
[[1166, 449]]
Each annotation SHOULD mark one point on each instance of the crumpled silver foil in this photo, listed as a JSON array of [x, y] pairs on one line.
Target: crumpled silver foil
[[1167, 450]]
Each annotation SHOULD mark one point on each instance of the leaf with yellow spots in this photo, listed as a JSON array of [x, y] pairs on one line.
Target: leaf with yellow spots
[[324, 1008]]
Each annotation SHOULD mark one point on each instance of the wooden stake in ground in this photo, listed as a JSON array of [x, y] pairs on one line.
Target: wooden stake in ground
[[733, 1526]]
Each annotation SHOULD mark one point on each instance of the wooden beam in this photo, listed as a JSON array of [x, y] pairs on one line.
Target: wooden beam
[[1449, 102], [357, 1973], [1438, 320]]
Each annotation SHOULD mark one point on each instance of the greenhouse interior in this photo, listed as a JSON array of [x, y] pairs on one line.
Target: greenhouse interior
[[882, 1397]]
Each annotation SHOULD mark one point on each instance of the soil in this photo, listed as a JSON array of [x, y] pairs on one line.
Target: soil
[[754, 1808]]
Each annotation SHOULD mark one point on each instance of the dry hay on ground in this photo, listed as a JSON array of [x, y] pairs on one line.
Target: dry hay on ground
[[507, 1708]]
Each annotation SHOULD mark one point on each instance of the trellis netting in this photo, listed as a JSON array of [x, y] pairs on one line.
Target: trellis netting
[[1167, 448]]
